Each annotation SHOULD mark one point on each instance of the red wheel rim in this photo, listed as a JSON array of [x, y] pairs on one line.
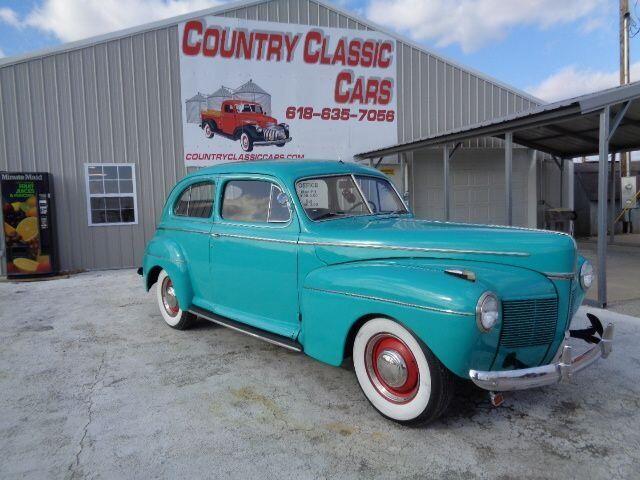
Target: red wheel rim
[[169, 300], [392, 368]]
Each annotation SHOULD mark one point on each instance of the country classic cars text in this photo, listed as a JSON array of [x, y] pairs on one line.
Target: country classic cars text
[[316, 49]]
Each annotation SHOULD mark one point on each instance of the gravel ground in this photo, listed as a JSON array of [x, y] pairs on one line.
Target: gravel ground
[[93, 384]]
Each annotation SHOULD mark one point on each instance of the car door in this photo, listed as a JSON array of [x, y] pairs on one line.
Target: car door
[[254, 254], [189, 222], [229, 119]]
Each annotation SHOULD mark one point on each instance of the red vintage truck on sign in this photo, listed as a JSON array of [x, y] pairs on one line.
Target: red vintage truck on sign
[[245, 121]]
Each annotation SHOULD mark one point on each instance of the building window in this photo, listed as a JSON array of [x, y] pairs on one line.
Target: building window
[[111, 194]]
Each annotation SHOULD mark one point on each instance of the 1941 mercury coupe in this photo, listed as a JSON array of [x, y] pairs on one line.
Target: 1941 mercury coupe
[[325, 258]]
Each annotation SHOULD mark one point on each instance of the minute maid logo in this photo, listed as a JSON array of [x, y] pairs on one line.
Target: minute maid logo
[[34, 177]]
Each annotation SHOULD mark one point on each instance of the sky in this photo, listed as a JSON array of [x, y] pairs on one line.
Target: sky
[[553, 49]]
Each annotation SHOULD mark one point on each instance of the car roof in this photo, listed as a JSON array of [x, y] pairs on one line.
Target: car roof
[[289, 170]]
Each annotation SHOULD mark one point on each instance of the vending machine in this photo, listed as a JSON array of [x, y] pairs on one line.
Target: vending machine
[[27, 219]]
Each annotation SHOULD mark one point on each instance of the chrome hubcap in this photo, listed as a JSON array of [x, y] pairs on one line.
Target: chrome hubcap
[[169, 299], [392, 368]]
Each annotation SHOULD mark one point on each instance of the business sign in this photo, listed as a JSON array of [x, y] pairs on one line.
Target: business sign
[[259, 90]]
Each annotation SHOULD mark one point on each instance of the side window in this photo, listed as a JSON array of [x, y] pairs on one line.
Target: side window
[[254, 201], [181, 207], [196, 201]]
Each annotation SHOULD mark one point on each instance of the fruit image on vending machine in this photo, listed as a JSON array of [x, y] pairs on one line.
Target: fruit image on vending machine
[[27, 219]]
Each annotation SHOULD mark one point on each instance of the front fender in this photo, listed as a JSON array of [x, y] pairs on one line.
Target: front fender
[[166, 254], [438, 308]]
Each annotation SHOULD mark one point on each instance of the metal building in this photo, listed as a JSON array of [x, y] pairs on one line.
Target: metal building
[[116, 99]]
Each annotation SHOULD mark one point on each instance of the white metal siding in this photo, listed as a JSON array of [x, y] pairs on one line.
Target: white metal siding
[[477, 186], [118, 101]]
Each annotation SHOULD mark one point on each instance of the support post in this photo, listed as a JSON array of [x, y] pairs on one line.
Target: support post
[[612, 204], [404, 173], [602, 206], [446, 183], [405, 178], [508, 170]]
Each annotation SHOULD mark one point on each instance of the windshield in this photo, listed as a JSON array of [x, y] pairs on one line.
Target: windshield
[[339, 196], [251, 107]]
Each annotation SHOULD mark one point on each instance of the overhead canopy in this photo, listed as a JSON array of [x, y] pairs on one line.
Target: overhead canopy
[[566, 129]]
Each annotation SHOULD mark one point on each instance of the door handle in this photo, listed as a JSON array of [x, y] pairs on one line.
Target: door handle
[[215, 235]]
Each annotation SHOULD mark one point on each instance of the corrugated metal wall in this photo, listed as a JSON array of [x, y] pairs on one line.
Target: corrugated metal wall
[[119, 101], [114, 102]]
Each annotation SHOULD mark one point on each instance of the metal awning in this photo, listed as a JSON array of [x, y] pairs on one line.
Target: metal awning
[[565, 129], [596, 124]]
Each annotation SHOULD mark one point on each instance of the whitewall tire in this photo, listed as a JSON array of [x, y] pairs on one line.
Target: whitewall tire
[[170, 309], [246, 143], [398, 373]]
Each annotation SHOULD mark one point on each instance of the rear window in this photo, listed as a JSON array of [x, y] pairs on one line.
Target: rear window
[[195, 201]]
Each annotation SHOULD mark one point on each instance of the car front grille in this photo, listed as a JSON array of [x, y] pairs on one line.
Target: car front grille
[[527, 323], [272, 134]]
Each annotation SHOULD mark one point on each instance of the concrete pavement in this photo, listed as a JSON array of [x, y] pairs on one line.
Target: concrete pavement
[[623, 274], [93, 384]]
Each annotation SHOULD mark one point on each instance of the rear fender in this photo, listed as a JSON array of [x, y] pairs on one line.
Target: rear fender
[[167, 255]]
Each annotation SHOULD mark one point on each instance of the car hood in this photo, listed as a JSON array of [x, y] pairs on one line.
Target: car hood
[[367, 237], [256, 118]]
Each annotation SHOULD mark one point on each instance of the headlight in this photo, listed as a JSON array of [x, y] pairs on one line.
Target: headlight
[[285, 125], [258, 128], [487, 311], [586, 275]]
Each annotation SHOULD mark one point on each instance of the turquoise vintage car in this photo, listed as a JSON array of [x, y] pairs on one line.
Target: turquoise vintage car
[[325, 258]]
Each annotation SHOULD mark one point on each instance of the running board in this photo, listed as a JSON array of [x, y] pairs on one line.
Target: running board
[[269, 337]]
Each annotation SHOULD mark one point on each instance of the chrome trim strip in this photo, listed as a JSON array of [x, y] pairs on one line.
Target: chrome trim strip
[[251, 334], [272, 142], [176, 229], [395, 302], [366, 245], [560, 276], [248, 237], [494, 226], [412, 249], [364, 198]]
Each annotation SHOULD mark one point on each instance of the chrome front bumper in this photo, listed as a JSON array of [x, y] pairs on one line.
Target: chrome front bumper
[[263, 143], [562, 370]]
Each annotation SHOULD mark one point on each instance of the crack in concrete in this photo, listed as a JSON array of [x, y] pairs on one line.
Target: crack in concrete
[[89, 402]]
